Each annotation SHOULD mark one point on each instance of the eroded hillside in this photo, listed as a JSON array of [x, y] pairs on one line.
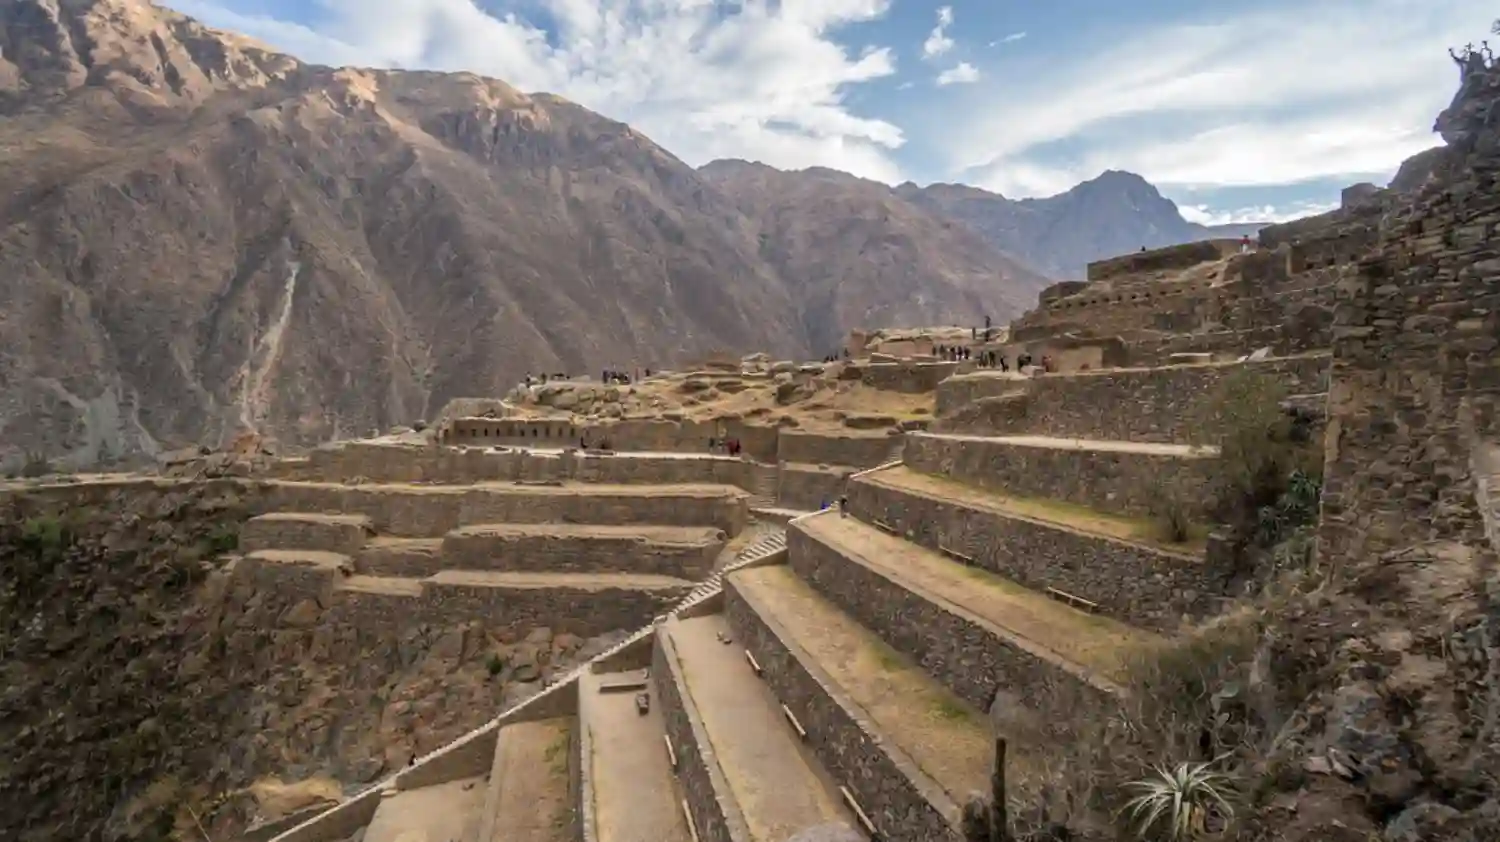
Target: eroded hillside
[[200, 235]]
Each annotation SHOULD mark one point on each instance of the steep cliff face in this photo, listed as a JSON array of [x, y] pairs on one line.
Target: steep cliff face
[[915, 267], [141, 677], [199, 235]]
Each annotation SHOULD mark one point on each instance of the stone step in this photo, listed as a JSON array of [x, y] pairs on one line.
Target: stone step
[[629, 793], [1130, 478], [995, 644], [909, 750], [335, 533], [1109, 560], [451, 810], [531, 795], [746, 773], [430, 511], [681, 551]]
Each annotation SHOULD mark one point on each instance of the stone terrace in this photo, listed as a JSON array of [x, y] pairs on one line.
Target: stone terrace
[[863, 674]]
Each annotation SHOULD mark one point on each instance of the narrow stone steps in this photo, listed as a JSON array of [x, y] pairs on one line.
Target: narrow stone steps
[[628, 792], [447, 811], [530, 796], [751, 779], [977, 633], [908, 748]]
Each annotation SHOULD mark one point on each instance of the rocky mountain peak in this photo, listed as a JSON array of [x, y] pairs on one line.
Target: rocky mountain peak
[[148, 54]]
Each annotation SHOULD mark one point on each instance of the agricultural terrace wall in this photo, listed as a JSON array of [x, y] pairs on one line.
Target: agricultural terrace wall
[[1135, 583], [853, 449], [957, 652], [320, 597], [908, 378], [900, 799], [1128, 482], [808, 487], [379, 462], [430, 511], [666, 435], [1161, 260], [1172, 404]]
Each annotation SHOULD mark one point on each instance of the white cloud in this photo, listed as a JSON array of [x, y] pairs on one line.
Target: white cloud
[[1009, 39], [938, 42], [759, 80], [1204, 215], [960, 74], [1275, 96]]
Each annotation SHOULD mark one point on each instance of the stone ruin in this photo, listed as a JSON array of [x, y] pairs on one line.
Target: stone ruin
[[982, 581]]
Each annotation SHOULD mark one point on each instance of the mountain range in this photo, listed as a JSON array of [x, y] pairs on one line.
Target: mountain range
[[201, 235]]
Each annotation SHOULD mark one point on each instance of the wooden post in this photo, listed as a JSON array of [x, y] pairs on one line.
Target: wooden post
[[999, 819]]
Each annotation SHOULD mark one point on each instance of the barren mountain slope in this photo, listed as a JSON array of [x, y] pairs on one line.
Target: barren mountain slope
[[856, 253], [197, 234]]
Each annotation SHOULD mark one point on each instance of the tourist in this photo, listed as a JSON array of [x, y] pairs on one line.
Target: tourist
[[1245, 244], [843, 506]]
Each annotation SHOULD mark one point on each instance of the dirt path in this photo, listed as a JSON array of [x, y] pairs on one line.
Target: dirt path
[[949, 740], [635, 799], [443, 812], [1055, 512], [1053, 629], [530, 775], [780, 788]]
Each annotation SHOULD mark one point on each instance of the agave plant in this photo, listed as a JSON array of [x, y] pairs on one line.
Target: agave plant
[[1176, 803]]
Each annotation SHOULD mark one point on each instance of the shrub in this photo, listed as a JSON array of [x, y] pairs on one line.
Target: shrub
[[223, 538], [496, 665], [36, 465], [1177, 803]]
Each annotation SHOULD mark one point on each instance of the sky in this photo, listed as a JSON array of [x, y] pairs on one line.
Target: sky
[[1236, 111]]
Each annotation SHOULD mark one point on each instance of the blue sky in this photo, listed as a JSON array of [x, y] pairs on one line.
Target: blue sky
[[1236, 111]]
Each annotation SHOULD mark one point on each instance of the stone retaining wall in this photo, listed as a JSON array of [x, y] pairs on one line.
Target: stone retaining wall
[[958, 392], [1134, 583], [903, 802], [808, 487], [273, 532], [852, 449], [908, 378], [697, 768], [314, 601], [964, 656], [542, 551], [432, 511], [1127, 482], [1172, 404], [468, 464]]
